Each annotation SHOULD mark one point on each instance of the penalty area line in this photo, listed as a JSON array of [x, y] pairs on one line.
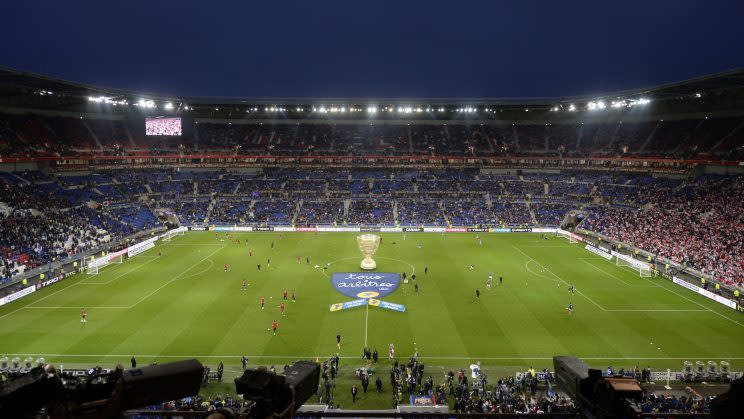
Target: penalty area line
[[177, 277], [558, 277]]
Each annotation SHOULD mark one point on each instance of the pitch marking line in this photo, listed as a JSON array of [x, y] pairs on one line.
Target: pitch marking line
[[603, 308], [31, 305], [639, 310], [40, 299], [177, 277], [76, 307], [85, 281], [191, 244], [493, 358], [605, 272], [558, 277], [118, 307], [527, 267], [700, 305]]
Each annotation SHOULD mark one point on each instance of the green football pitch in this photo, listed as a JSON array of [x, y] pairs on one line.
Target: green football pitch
[[183, 304]]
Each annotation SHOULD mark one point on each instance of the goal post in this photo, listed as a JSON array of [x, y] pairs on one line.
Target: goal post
[[168, 235], [643, 269], [95, 265], [566, 235]]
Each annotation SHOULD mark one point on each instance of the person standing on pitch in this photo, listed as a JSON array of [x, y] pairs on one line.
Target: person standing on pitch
[[477, 293], [244, 361], [338, 341], [134, 362], [354, 392]]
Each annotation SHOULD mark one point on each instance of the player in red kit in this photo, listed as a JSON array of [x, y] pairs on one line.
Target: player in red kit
[[274, 326], [244, 286], [281, 308], [227, 267], [83, 316], [250, 252], [262, 300], [285, 294], [299, 259]]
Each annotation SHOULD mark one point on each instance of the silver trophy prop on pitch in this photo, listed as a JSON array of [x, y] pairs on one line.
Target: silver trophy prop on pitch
[[368, 244]]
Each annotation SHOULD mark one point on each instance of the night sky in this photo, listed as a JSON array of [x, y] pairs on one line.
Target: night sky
[[373, 49]]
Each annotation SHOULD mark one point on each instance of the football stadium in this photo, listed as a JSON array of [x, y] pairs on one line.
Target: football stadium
[[172, 255]]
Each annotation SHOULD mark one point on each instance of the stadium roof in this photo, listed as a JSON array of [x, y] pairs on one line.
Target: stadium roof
[[17, 86]]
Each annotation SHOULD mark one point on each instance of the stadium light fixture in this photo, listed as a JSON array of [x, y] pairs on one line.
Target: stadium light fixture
[[168, 106], [371, 109], [572, 108], [143, 103]]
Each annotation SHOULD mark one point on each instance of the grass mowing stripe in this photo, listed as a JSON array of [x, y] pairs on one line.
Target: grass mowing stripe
[[176, 277], [520, 323]]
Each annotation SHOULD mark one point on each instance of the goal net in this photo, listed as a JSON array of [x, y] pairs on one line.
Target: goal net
[[566, 235], [643, 269], [95, 265], [168, 235]]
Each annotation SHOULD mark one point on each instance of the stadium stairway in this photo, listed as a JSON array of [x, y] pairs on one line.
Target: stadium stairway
[[347, 204], [532, 213], [212, 202]]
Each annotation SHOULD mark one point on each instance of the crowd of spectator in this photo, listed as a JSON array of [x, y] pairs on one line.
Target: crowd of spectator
[[663, 403], [693, 221], [700, 225], [472, 392], [39, 135]]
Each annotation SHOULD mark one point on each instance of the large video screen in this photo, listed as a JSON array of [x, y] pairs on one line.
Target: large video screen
[[163, 126]]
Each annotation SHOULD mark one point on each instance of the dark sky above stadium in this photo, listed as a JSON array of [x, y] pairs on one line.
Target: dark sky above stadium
[[373, 49]]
